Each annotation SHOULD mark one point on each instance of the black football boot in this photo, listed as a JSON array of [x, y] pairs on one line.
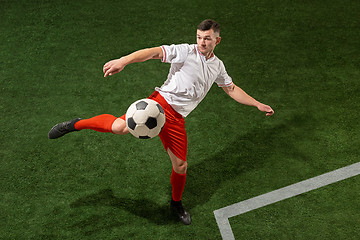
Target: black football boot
[[63, 128], [178, 209]]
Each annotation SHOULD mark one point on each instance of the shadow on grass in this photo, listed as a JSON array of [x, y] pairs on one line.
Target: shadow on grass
[[204, 179], [245, 153], [160, 215]]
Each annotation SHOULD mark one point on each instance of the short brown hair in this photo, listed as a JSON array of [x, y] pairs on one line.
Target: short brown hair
[[209, 24]]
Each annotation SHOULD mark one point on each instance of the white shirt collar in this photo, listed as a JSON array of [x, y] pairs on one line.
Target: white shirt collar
[[202, 55]]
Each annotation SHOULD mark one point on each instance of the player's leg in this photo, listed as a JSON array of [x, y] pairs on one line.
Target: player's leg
[[176, 145], [178, 179], [178, 176], [174, 139], [100, 123], [119, 126]]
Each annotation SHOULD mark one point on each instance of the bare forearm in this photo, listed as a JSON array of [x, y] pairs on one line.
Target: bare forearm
[[143, 55], [241, 96], [118, 65]]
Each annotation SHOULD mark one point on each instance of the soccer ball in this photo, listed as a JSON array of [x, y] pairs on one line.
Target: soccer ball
[[145, 118]]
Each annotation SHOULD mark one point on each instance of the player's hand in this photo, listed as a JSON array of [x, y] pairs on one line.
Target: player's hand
[[267, 109], [113, 67]]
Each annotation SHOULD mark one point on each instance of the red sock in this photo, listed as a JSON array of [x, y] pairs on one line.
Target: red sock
[[101, 123], [178, 185]]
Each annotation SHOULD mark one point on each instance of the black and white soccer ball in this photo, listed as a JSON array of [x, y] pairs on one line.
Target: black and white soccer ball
[[145, 118]]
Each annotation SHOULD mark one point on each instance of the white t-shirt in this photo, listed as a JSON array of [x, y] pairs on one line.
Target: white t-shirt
[[190, 76]]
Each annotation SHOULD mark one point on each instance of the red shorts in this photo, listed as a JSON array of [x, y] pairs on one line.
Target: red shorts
[[173, 134]]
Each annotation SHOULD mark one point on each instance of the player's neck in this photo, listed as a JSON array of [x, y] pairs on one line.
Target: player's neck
[[209, 55]]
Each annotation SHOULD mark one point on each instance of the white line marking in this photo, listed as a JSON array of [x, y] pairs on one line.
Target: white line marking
[[222, 215]]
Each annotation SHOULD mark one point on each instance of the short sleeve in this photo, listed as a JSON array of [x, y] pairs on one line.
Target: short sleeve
[[223, 80], [175, 53]]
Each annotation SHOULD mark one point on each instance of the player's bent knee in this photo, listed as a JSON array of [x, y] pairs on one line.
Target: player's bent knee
[[119, 127], [180, 166]]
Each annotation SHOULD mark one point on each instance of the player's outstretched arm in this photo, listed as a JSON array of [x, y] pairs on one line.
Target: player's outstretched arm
[[242, 97], [118, 65]]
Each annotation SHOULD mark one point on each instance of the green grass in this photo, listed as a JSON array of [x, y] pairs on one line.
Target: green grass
[[326, 213], [300, 57]]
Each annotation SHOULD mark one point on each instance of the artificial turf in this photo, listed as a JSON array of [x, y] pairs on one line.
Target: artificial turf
[[300, 57]]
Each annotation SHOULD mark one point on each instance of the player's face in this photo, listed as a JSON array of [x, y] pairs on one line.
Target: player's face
[[207, 41]]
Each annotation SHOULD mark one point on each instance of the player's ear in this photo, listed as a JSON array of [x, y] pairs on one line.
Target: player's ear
[[218, 39]]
